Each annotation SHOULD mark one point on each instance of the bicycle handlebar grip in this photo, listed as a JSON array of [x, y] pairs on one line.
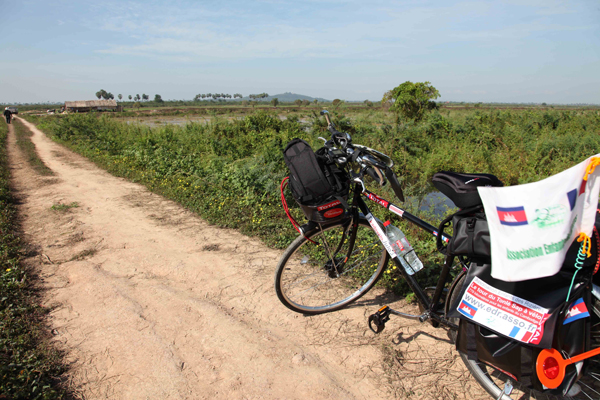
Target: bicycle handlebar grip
[[389, 174], [374, 175], [334, 131]]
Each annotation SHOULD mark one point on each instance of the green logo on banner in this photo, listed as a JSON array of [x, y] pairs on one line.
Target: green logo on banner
[[544, 249], [550, 216]]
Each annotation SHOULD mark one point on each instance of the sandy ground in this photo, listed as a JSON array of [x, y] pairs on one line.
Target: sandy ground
[[151, 302]]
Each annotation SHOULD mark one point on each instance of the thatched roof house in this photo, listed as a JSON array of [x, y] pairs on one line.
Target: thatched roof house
[[89, 105]]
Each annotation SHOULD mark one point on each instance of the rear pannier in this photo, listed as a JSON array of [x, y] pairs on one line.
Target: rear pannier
[[471, 235], [317, 184]]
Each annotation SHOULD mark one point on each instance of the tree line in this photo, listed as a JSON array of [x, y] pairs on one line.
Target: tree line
[[103, 94], [216, 96], [410, 100]]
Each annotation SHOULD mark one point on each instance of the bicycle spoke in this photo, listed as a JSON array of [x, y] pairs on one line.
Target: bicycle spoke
[[318, 278], [589, 387]]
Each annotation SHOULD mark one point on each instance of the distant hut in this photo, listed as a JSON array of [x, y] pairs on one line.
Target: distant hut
[[92, 105]]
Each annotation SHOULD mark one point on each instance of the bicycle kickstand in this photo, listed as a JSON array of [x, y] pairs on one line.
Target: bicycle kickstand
[[379, 319]]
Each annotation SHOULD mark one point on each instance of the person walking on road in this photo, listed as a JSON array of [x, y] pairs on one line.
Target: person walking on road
[[7, 115]]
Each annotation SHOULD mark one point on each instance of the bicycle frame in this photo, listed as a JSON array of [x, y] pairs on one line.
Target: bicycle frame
[[429, 305]]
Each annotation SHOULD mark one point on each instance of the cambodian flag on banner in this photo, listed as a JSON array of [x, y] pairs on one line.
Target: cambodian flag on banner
[[466, 309], [533, 225], [577, 311], [512, 216]]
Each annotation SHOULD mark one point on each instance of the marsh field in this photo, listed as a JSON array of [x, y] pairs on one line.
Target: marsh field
[[225, 163]]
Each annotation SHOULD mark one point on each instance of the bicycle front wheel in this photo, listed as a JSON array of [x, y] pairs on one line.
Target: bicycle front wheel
[[326, 270]]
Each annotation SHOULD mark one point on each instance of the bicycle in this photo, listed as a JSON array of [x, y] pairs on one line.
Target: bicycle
[[332, 264]]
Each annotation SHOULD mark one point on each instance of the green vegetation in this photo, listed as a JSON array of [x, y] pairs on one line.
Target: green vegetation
[[229, 170], [23, 135], [64, 207], [29, 366], [412, 100], [103, 94]]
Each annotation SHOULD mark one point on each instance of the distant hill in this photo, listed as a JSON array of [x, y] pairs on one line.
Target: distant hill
[[288, 97]]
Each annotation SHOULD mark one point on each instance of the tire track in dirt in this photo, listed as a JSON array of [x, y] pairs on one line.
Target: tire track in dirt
[[152, 302]]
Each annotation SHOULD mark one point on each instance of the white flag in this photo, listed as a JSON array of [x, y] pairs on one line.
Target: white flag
[[533, 225]]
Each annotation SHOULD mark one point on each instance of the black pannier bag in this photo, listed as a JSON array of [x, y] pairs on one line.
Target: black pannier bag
[[515, 358], [471, 235], [316, 183]]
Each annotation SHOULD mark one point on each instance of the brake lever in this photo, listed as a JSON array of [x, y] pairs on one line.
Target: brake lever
[[357, 179]]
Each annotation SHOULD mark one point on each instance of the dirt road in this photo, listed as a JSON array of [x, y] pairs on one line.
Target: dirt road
[[151, 302]]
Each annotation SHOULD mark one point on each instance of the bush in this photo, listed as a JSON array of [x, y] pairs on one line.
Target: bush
[[229, 171]]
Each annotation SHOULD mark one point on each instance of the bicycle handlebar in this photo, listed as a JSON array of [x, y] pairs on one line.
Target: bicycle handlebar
[[371, 161]]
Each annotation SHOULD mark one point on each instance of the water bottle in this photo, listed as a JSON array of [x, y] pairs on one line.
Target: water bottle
[[406, 254]]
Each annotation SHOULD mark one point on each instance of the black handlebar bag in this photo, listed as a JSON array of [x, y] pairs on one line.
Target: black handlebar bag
[[317, 184]]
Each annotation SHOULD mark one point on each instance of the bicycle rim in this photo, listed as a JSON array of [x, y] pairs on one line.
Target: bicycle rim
[[314, 278]]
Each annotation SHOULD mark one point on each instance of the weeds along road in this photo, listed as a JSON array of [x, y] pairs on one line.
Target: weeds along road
[[151, 302]]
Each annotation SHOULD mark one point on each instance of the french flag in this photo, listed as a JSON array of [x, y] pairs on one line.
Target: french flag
[[520, 334], [577, 311], [467, 310], [512, 216]]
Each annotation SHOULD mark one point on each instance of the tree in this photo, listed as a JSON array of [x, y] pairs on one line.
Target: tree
[[237, 96], [298, 102], [305, 103], [316, 102], [368, 103], [412, 100], [130, 97], [137, 97], [145, 97], [387, 100], [103, 94], [336, 102], [259, 96], [275, 101], [120, 96], [158, 98]]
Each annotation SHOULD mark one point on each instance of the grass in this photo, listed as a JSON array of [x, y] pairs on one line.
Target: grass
[[30, 367], [64, 207], [23, 135]]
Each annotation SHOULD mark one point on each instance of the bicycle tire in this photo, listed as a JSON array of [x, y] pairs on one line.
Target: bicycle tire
[[492, 380], [306, 280]]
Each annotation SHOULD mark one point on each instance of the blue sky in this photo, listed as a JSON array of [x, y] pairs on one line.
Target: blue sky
[[505, 51]]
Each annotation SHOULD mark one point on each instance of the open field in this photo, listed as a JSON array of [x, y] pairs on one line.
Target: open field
[[228, 168]]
